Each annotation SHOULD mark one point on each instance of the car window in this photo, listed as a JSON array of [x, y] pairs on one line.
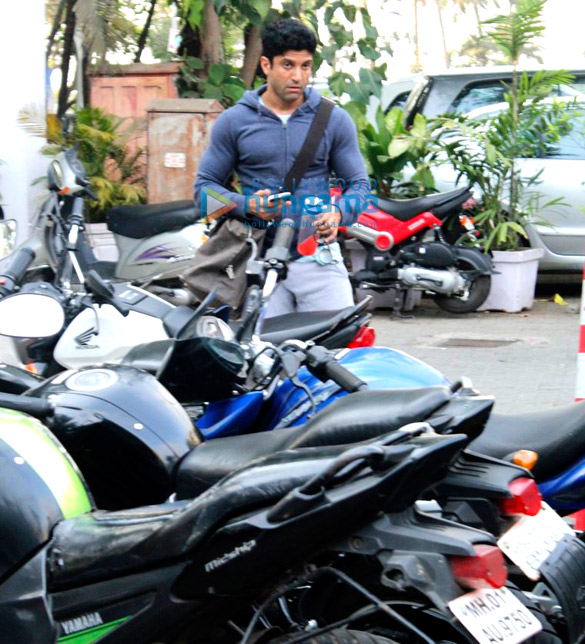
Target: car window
[[399, 101], [571, 146], [478, 95]]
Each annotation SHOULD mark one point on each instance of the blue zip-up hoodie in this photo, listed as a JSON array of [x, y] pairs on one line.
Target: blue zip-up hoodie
[[252, 140]]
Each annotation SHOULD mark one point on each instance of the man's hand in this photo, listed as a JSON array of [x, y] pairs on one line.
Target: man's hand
[[328, 224], [258, 206]]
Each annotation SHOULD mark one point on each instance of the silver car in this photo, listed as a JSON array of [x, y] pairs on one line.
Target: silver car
[[560, 229]]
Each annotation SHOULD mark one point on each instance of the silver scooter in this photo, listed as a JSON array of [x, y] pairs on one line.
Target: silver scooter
[[156, 242]]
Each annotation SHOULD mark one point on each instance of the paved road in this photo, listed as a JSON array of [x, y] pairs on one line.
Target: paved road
[[527, 360]]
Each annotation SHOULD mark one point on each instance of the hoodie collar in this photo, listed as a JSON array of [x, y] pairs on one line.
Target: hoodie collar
[[251, 99]]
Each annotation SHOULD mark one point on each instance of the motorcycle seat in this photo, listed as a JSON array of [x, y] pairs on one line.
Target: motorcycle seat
[[147, 220], [103, 545], [439, 204], [350, 419], [303, 326], [557, 435]]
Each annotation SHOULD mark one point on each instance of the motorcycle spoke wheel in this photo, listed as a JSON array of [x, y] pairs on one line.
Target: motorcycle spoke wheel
[[478, 293]]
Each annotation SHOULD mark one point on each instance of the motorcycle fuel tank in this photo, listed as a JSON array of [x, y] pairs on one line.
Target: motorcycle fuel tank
[[123, 429], [39, 486], [103, 335]]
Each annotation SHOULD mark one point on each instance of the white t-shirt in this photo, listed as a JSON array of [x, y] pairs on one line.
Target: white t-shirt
[[283, 117]]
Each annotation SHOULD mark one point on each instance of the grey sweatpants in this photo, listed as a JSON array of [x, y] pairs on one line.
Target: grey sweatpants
[[310, 286]]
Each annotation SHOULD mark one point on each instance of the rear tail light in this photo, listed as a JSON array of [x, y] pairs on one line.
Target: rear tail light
[[469, 203], [365, 337], [487, 569], [526, 458], [525, 499]]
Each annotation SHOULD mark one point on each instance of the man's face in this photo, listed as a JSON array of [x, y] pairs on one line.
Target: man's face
[[289, 74]]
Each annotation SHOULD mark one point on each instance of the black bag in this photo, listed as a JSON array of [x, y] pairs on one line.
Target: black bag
[[221, 262]]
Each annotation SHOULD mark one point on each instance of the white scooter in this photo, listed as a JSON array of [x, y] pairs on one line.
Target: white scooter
[[106, 321]]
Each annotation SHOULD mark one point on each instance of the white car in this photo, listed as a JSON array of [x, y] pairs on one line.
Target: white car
[[562, 237]]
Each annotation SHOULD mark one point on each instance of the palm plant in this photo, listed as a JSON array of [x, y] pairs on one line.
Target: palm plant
[[115, 169], [488, 152]]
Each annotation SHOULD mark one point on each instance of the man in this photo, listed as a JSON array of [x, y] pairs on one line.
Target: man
[[260, 137]]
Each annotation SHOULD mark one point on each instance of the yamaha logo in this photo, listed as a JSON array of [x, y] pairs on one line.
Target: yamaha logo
[[81, 623]]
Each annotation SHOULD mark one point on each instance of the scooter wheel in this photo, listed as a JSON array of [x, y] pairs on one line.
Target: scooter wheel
[[478, 292]]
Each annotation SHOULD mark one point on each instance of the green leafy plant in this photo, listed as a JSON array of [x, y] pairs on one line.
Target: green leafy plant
[[388, 148], [116, 170], [222, 83], [487, 151]]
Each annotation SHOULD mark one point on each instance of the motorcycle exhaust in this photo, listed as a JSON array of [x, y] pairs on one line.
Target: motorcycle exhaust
[[381, 240], [444, 282]]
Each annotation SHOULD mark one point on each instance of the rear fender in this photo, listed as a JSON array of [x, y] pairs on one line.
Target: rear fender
[[478, 260]]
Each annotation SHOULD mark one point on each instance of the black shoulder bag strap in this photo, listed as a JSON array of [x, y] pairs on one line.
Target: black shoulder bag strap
[[312, 140]]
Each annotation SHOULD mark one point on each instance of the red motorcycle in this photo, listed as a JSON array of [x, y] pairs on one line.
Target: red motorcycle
[[417, 243]]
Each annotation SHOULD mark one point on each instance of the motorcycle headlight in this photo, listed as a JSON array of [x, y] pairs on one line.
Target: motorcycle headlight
[[209, 326], [55, 175]]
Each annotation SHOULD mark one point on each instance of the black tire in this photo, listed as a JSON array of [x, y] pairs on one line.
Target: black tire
[[478, 293], [548, 635], [339, 636]]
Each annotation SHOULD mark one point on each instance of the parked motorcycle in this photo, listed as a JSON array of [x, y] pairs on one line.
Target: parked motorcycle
[[104, 322], [413, 244], [258, 556]]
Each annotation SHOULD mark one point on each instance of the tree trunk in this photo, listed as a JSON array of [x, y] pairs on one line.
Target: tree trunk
[[210, 37], [252, 52], [55, 28], [476, 9], [445, 52], [144, 33], [86, 79], [67, 51], [190, 42], [417, 67]]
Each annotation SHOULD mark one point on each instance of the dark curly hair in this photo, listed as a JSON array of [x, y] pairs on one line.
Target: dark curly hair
[[283, 35]]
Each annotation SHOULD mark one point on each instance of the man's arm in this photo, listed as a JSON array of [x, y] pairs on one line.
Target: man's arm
[[348, 164], [218, 162]]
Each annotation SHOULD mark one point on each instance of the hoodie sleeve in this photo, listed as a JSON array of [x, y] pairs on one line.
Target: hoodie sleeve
[[218, 162], [348, 165]]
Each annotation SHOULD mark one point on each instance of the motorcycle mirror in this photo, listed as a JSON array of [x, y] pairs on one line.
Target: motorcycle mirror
[[7, 237], [30, 315]]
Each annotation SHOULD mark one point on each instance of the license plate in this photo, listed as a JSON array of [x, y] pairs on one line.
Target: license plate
[[495, 616], [530, 540]]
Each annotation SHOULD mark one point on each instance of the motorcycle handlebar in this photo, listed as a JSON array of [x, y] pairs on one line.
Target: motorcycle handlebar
[[22, 259], [32, 406], [344, 378], [323, 365], [282, 241], [104, 291], [284, 234]]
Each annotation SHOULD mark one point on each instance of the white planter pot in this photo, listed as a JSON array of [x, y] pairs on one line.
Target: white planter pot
[[513, 287], [102, 242]]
